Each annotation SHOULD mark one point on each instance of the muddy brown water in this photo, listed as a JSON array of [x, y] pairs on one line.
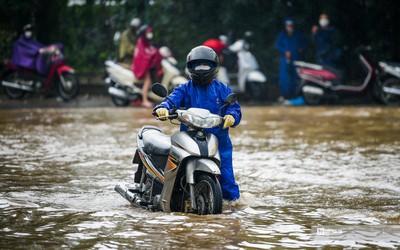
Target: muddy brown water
[[299, 170]]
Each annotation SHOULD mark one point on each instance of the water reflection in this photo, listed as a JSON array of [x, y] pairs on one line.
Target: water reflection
[[297, 168]]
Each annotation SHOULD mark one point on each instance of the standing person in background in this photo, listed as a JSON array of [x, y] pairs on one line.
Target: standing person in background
[[146, 60], [324, 37], [219, 46], [290, 44], [128, 41]]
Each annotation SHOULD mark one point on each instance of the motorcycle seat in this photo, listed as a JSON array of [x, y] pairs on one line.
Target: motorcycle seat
[[393, 64], [323, 73], [155, 142]]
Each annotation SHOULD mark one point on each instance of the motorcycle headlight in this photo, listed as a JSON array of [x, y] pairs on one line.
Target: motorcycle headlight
[[201, 122]]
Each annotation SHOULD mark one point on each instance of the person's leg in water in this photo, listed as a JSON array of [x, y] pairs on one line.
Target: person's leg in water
[[230, 189], [145, 91]]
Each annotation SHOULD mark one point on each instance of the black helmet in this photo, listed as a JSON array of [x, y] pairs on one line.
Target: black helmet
[[202, 63], [28, 27]]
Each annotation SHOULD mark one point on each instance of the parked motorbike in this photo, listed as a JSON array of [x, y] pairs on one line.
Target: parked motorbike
[[18, 81], [124, 87], [178, 173], [320, 84], [389, 80], [248, 79]]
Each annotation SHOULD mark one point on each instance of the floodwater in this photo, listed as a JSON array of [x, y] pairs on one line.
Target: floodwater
[[299, 170]]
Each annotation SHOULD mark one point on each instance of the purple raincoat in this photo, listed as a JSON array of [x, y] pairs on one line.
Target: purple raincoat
[[26, 55]]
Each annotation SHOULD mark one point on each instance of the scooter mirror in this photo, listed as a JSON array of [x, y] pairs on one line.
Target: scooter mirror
[[231, 98], [159, 90]]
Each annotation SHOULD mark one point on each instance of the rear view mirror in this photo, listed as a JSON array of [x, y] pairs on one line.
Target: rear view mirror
[[159, 90], [231, 98]]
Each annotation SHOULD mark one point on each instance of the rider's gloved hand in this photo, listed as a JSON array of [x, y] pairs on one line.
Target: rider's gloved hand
[[229, 121], [162, 112]]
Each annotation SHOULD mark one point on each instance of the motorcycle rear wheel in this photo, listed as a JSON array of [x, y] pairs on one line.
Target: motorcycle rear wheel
[[70, 89], [119, 101], [13, 93], [387, 98], [311, 99]]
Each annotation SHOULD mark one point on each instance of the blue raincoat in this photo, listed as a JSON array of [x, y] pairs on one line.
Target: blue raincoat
[[211, 97], [327, 52], [287, 72]]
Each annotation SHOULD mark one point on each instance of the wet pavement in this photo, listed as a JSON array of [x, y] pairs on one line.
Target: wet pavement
[[310, 177]]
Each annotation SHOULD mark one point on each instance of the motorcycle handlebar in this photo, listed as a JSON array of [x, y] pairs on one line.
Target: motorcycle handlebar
[[171, 115]]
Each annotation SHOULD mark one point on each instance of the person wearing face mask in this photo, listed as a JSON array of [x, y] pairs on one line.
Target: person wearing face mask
[[146, 59], [26, 50], [324, 37], [290, 43], [128, 41]]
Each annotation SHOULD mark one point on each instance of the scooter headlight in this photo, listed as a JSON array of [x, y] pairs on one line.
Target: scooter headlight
[[201, 122]]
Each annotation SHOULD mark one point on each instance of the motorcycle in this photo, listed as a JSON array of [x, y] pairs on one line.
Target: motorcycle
[[319, 84], [248, 79], [18, 81], [178, 173], [124, 87], [389, 80]]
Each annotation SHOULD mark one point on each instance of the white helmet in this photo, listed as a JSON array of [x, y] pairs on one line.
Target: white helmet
[[224, 39], [135, 22], [165, 51]]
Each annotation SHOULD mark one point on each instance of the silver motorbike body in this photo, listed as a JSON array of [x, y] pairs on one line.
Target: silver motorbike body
[[170, 161]]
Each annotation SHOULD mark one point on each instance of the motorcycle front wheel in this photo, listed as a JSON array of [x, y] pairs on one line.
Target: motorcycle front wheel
[[390, 98], [68, 86], [208, 195], [13, 93], [256, 91]]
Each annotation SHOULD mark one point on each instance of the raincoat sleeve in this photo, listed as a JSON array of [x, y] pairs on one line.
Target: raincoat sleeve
[[126, 48], [177, 96], [233, 110], [280, 45]]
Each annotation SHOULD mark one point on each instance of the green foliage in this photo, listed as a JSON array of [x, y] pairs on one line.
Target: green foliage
[[87, 30]]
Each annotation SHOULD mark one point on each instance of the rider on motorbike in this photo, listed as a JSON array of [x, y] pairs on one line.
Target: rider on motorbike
[[31, 54], [204, 91], [26, 51]]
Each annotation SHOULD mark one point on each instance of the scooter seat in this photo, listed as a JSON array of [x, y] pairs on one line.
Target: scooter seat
[[323, 73], [155, 142], [393, 64]]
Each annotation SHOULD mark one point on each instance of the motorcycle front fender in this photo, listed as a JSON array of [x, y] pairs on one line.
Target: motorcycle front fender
[[65, 69], [200, 164], [256, 76]]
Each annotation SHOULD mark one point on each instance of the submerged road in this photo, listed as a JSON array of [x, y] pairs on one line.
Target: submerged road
[[309, 177]]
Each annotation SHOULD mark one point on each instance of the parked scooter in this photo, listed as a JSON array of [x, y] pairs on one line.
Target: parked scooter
[[179, 173], [389, 80], [124, 87], [320, 84], [248, 79], [18, 81]]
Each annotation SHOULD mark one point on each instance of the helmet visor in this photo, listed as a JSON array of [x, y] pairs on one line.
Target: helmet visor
[[202, 66]]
